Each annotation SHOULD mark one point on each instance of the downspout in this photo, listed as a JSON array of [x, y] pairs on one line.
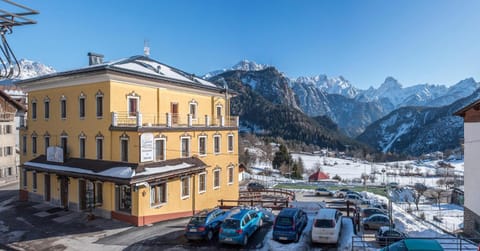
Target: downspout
[[193, 195]]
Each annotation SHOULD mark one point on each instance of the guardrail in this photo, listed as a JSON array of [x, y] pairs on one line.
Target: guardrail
[[273, 204], [268, 191], [448, 243]]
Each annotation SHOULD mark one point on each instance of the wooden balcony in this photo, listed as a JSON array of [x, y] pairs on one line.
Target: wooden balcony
[[169, 120], [7, 116]]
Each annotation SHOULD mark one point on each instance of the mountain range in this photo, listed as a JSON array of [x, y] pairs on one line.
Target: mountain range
[[332, 112]]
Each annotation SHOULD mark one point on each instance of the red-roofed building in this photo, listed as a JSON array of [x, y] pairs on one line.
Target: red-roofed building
[[319, 175]]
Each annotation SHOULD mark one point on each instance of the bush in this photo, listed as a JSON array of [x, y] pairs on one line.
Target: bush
[[422, 216]]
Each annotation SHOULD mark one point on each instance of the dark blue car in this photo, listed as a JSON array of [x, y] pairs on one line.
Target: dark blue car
[[205, 224], [289, 224]]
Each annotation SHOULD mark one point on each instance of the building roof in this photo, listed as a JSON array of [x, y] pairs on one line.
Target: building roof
[[14, 103], [119, 172], [475, 105], [319, 175], [140, 66]]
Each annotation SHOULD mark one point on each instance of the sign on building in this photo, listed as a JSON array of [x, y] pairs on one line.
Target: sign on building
[[146, 147], [55, 154]]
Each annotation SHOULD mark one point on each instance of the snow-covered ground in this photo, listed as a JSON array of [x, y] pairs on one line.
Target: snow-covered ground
[[411, 223]]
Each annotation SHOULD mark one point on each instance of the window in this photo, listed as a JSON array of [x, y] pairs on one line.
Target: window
[[216, 179], [82, 148], [158, 194], [46, 104], [8, 129], [34, 109], [81, 103], [8, 151], [124, 149], [185, 187], [230, 143], [230, 175], [63, 108], [185, 147], [24, 174], [219, 111], [47, 143], [99, 104], [34, 144], [98, 193], [193, 109], [125, 198], [202, 182], [64, 145], [34, 179], [24, 144], [132, 106], [160, 149], [216, 144], [1, 152], [99, 141], [202, 145], [9, 171]]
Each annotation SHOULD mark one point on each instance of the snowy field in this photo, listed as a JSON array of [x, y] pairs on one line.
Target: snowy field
[[411, 223]]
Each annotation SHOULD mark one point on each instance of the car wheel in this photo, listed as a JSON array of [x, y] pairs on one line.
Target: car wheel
[[341, 195], [245, 240], [210, 235]]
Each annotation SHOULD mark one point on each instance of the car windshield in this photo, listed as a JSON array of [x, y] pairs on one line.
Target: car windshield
[[230, 223], [324, 223], [197, 220], [284, 221]]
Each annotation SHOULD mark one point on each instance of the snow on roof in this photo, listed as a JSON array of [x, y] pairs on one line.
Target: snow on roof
[[116, 172], [122, 172]]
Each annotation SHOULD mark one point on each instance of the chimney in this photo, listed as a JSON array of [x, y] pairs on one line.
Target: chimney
[[94, 58]]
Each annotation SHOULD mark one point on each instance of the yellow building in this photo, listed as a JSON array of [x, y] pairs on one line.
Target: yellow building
[[134, 139]]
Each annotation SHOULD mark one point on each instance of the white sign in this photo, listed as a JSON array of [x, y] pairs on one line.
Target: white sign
[[55, 154], [146, 147]]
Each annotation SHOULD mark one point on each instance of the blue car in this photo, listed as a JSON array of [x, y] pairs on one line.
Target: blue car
[[289, 224], [240, 224], [204, 224]]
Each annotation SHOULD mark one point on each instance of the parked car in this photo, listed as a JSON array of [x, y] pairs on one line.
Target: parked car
[[354, 199], [327, 226], [204, 224], [367, 212], [289, 224], [386, 235], [376, 221], [378, 205], [321, 191], [357, 193], [254, 186], [239, 225], [411, 244], [341, 193]]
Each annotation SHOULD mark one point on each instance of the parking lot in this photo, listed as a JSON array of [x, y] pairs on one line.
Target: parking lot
[[38, 226]]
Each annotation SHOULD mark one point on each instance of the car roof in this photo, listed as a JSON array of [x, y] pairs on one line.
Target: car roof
[[326, 213], [288, 211], [374, 215], [238, 213], [423, 244]]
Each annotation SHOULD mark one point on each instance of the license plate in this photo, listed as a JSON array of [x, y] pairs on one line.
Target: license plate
[[193, 230], [283, 238], [228, 239]]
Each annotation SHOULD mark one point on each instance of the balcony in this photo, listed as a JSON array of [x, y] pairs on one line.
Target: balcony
[[6, 116], [169, 120]]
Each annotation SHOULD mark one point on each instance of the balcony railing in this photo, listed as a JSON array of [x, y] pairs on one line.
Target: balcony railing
[[7, 116], [124, 119]]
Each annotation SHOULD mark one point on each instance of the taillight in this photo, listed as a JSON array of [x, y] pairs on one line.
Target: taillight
[[201, 229], [239, 231]]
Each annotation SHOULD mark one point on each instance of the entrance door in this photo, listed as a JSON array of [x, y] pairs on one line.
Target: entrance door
[[174, 111], [82, 190], [64, 192], [46, 194]]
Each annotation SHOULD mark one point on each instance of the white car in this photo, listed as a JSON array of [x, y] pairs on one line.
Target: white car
[[327, 225], [354, 199]]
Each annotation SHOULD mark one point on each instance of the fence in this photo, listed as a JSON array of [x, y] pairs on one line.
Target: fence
[[365, 242]]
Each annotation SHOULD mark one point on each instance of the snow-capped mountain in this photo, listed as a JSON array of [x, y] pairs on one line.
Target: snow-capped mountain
[[334, 85], [243, 65], [417, 130], [29, 69]]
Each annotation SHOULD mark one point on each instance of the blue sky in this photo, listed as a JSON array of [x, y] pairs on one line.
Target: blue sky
[[434, 42]]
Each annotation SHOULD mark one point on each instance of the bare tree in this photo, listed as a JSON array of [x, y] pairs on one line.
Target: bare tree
[[419, 191]]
